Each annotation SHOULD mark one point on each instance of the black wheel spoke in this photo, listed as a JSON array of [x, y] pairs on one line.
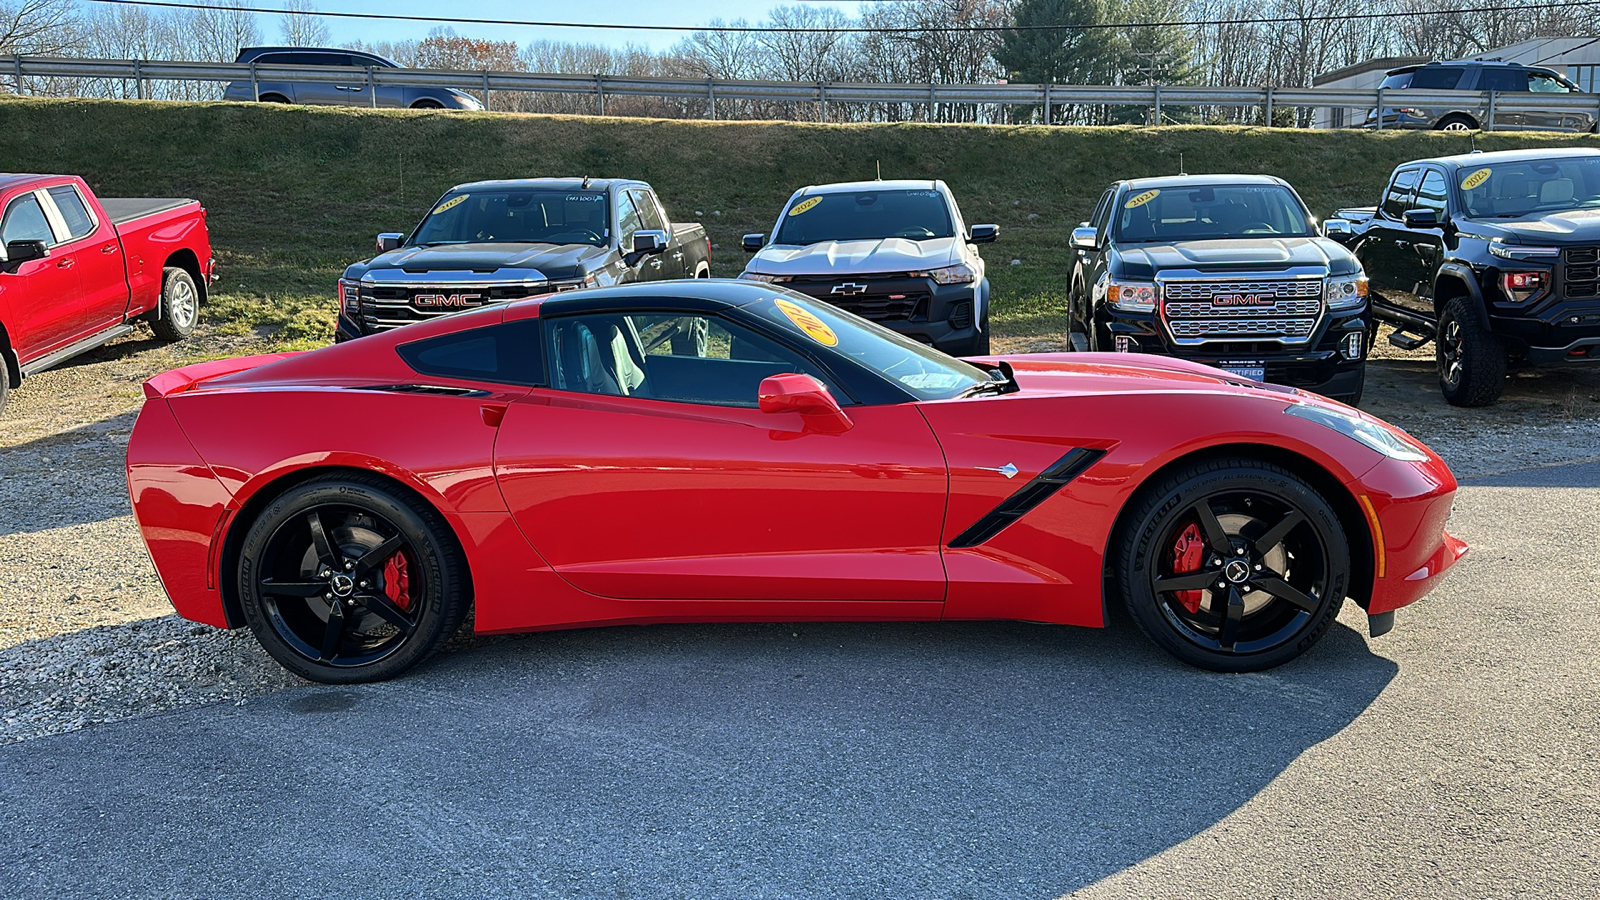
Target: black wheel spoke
[[1193, 581], [1275, 535], [333, 635], [375, 557], [319, 540], [1216, 536], [293, 588], [1273, 583], [1228, 632], [384, 608]]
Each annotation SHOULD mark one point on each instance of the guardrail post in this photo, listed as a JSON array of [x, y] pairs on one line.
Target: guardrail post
[[933, 104], [1492, 95], [1047, 111], [17, 61], [485, 88], [138, 80], [1158, 105], [600, 91], [1380, 109], [255, 85], [822, 101], [711, 98], [1269, 106]]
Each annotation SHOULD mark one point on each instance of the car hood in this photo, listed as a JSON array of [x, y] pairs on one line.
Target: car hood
[[856, 257], [555, 261], [1235, 255], [1103, 373], [1573, 226]]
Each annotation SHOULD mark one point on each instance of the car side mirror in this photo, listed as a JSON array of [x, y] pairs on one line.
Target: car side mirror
[[754, 242], [1084, 237], [985, 234], [389, 240], [649, 241], [1420, 218], [19, 252], [795, 392]]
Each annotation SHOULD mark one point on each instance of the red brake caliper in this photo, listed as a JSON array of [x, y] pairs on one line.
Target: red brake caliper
[[1188, 555], [397, 582]]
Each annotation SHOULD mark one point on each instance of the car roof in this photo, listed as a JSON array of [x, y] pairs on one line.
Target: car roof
[[1504, 156], [10, 180], [248, 53], [713, 292], [568, 184], [899, 184], [1176, 181], [1466, 63]]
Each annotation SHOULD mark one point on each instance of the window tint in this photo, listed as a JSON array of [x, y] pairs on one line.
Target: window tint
[[865, 216], [1432, 194], [508, 353], [1545, 84], [1101, 216], [516, 216], [627, 217], [25, 221], [675, 356], [1503, 80], [1436, 78], [1397, 80], [1397, 199], [649, 213], [79, 222]]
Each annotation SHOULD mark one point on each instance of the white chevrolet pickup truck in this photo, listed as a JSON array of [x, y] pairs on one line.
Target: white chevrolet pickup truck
[[895, 252]]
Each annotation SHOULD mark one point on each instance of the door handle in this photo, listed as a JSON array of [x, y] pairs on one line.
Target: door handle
[[109, 248], [66, 263], [493, 414], [655, 264], [677, 256]]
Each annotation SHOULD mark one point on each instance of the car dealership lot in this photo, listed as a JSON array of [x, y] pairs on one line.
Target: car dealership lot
[[1454, 756]]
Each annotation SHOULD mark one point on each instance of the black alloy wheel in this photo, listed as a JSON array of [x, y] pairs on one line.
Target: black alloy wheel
[[1471, 358], [346, 580], [1233, 565]]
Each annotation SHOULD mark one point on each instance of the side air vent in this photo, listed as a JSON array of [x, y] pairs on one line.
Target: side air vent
[[1035, 492], [437, 389]]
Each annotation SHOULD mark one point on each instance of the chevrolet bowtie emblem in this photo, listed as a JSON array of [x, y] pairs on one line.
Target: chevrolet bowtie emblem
[[849, 290], [1008, 470]]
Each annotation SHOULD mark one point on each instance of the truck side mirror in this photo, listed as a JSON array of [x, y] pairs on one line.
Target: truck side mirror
[[1085, 238], [649, 241], [1337, 228], [389, 240], [1420, 218], [18, 252], [985, 234], [754, 242]]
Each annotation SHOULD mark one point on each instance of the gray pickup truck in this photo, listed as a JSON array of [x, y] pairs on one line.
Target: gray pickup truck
[[895, 252], [493, 241]]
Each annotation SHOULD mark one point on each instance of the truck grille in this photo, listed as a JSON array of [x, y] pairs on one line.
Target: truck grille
[[386, 307], [1580, 276], [879, 300], [1281, 310]]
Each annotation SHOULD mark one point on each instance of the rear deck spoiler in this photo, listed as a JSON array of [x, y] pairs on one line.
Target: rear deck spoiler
[[179, 380]]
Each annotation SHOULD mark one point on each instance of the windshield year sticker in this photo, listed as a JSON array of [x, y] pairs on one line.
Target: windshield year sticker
[[1140, 199], [801, 207], [452, 203], [814, 327], [584, 198], [1475, 179]]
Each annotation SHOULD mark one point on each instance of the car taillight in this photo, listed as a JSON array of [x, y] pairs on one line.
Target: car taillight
[[1524, 286]]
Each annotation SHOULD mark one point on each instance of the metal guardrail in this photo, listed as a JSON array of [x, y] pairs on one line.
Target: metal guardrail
[[1049, 96]]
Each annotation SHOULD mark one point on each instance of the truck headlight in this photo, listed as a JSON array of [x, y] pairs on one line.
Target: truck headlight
[[1383, 438], [1345, 291], [960, 273], [575, 284], [350, 296], [1520, 287], [1131, 296], [764, 278], [1504, 250]]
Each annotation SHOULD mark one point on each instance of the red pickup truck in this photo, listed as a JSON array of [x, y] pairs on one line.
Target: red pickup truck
[[77, 271]]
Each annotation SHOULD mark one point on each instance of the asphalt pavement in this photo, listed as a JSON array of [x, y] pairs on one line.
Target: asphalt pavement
[[1457, 756]]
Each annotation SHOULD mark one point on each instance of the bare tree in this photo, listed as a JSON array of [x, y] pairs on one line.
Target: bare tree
[[217, 34], [36, 26], [301, 26]]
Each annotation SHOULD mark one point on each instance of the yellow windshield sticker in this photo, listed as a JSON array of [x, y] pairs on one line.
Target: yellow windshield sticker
[[803, 206], [814, 327], [452, 203], [1140, 199], [1475, 179]]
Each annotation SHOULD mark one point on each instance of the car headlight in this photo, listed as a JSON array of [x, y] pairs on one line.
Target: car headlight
[[960, 273], [1504, 250], [1383, 438], [1345, 291], [350, 296], [1131, 296], [764, 278]]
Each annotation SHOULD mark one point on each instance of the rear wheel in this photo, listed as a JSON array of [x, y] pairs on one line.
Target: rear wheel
[[1456, 123], [1471, 358], [180, 305], [345, 580], [274, 98], [427, 104], [1233, 565]]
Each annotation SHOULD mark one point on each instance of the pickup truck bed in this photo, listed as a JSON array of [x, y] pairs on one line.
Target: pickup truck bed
[[122, 210]]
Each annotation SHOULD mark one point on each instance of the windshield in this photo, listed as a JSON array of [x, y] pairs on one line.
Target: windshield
[[515, 216], [867, 216], [1210, 212], [1534, 186], [921, 370]]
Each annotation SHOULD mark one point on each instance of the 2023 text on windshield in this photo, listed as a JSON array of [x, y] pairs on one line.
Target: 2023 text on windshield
[[1211, 212], [1512, 190]]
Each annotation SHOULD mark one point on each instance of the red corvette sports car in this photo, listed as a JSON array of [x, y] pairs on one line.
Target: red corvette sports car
[[719, 451]]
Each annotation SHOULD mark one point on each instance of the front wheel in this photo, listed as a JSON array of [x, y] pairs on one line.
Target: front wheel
[[1233, 565], [343, 579], [180, 306], [1471, 358]]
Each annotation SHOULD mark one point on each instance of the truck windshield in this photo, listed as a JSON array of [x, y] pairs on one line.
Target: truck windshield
[[866, 216], [921, 370], [1211, 212], [516, 217], [1529, 187]]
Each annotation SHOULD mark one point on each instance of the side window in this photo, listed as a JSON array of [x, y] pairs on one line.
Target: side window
[[627, 218], [649, 213], [1545, 84], [1433, 194], [1497, 79], [25, 221], [1397, 199], [674, 356], [508, 353], [1102, 212], [79, 223], [1436, 78]]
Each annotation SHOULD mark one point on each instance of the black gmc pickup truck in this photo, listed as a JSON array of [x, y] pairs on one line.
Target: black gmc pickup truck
[[493, 241], [1226, 270], [1493, 256]]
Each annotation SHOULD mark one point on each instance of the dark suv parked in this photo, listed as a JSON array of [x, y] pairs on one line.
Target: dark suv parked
[[354, 92], [1472, 114]]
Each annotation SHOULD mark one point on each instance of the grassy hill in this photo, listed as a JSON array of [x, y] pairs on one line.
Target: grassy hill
[[296, 193]]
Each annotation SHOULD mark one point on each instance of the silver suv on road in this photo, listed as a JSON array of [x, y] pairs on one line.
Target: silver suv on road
[[1472, 114]]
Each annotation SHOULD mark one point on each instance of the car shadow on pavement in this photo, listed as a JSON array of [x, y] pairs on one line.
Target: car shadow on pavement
[[1579, 474], [844, 760], [72, 477]]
